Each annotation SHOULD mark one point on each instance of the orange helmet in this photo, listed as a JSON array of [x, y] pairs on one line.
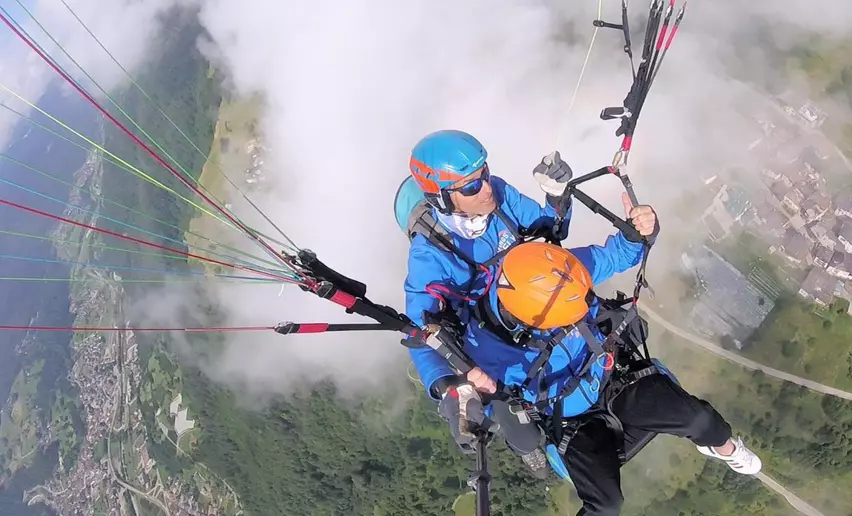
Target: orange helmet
[[543, 285]]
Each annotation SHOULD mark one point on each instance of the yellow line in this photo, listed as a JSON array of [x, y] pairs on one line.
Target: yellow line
[[582, 74], [124, 163]]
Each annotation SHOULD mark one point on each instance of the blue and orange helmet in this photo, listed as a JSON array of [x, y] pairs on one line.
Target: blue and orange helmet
[[442, 158]]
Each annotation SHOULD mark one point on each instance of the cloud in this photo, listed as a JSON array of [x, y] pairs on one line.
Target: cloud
[[350, 87], [125, 27]]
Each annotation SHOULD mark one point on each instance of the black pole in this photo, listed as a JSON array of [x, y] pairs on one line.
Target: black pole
[[480, 479]]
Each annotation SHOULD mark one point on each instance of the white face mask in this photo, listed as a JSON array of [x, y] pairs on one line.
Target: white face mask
[[465, 227]]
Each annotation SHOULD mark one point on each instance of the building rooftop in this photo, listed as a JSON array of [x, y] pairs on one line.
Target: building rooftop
[[779, 189], [727, 292], [763, 208], [821, 199], [796, 246], [824, 254], [845, 230], [795, 172], [843, 201], [819, 285], [737, 202]]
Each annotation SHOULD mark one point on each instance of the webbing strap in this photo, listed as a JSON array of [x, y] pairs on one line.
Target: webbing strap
[[592, 340], [542, 358], [635, 376], [430, 224], [572, 384], [513, 228]]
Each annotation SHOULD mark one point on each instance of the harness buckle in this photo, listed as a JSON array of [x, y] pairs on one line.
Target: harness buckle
[[524, 411], [569, 430], [523, 417]]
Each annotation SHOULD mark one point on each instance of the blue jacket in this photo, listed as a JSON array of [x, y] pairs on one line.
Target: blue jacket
[[511, 364], [429, 265]]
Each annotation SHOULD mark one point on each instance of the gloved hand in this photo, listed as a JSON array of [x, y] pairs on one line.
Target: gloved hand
[[461, 407], [553, 174], [643, 218]]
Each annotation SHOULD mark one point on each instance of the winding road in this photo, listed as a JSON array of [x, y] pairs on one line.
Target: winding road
[[745, 362], [794, 501]]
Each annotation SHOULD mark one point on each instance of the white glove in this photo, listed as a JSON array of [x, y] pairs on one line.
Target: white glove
[[553, 174]]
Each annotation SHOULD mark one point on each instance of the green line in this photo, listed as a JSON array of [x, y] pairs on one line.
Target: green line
[[121, 165], [218, 203], [127, 74], [128, 166], [112, 101], [54, 178], [98, 246], [216, 166]]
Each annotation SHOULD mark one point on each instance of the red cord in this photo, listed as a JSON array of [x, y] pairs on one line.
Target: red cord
[[143, 242], [133, 137], [95, 328], [434, 289]]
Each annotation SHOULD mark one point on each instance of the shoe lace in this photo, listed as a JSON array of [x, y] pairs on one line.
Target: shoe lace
[[743, 454]]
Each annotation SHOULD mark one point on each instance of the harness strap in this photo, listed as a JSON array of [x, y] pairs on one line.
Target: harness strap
[[632, 377], [635, 333], [513, 228], [546, 347], [572, 384], [488, 320], [442, 240], [428, 222], [591, 339], [569, 430], [617, 428], [569, 427]]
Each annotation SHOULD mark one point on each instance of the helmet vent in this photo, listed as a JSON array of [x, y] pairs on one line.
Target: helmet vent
[[537, 278]]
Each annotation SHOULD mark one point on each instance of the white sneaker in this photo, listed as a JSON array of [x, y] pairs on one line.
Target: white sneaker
[[743, 460]]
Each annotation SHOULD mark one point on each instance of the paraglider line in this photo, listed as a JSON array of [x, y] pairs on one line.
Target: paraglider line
[[221, 329], [127, 115], [136, 140], [216, 166], [127, 268], [118, 162], [127, 166], [123, 280], [105, 217], [143, 242], [582, 73]]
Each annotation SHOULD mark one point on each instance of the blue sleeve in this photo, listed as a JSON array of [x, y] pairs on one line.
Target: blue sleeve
[[425, 266], [528, 212], [617, 255]]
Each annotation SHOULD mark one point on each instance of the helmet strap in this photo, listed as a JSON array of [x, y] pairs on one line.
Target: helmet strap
[[441, 201], [518, 330]]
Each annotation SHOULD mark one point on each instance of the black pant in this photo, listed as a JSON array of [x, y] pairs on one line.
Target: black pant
[[654, 404]]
